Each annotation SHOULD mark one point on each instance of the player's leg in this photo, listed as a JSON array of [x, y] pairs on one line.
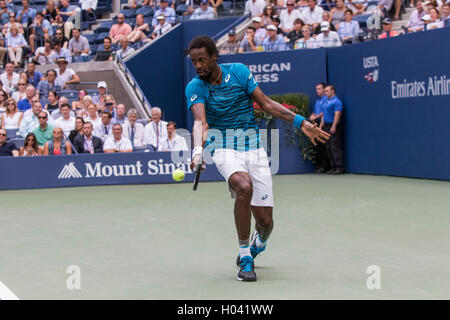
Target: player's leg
[[263, 228]]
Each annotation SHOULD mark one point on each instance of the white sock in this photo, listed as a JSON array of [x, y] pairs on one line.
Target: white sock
[[244, 251], [260, 243]]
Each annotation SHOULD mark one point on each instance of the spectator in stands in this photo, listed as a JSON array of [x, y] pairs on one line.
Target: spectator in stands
[[78, 46], [79, 103], [27, 14], [357, 7], [218, 6], [104, 130], [162, 27], [125, 50], [99, 99], [307, 42], [88, 8], [78, 130], [141, 30], [106, 53], [63, 16], [66, 121], [21, 93], [268, 12], [110, 105], [88, 143], [435, 20], [260, 31], [289, 15], [9, 78], [25, 104], [34, 76], [296, 33], [61, 52], [332, 111], [274, 42], [7, 148], [65, 75], [93, 116], [387, 29], [12, 23], [40, 31], [30, 147], [3, 97], [168, 12], [446, 14], [2, 50], [31, 121], [120, 29], [156, 130], [250, 43], [4, 12], [134, 130], [117, 143], [232, 45], [12, 117], [52, 98], [349, 28], [205, 11], [173, 142], [83, 110], [56, 114], [120, 116], [255, 7], [44, 131], [16, 43], [50, 12], [59, 36], [337, 13], [325, 17], [57, 145], [46, 54], [385, 6], [276, 22], [328, 38], [135, 4], [312, 14], [49, 83], [321, 160]]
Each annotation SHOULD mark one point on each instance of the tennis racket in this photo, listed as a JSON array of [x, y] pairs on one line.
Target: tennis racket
[[197, 176]]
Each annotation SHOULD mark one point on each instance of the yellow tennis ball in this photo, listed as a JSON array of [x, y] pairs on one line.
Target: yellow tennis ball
[[178, 175]]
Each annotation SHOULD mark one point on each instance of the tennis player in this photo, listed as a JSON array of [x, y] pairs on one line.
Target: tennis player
[[220, 98]]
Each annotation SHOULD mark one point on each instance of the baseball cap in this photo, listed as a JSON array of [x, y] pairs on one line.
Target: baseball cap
[[160, 17], [387, 21], [102, 84], [61, 59], [232, 32], [324, 25], [204, 2], [272, 27], [256, 19], [426, 17]]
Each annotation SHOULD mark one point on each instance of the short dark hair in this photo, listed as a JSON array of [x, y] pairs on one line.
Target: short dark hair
[[172, 123], [348, 10], [204, 42], [65, 105], [321, 84], [107, 38], [332, 87], [252, 28], [106, 112]]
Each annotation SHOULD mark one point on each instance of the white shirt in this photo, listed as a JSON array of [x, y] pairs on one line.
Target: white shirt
[[99, 131], [86, 4], [287, 19], [200, 14], [95, 123], [67, 125], [8, 85], [66, 76], [255, 7], [311, 17], [122, 145], [123, 54], [332, 40], [138, 133], [311, 43], [177, 143], [19, 96], [150, 133]]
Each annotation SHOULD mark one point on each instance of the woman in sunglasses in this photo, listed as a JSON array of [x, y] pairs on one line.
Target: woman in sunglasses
[[30, 147], [58, 145], [12, 117], [3, 97], [20, 94]]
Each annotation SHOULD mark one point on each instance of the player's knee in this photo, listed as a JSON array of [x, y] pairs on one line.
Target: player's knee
[[244, 190]]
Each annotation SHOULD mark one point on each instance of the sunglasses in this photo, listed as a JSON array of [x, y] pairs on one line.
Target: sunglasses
[[30, 139], [10, 104], [21, 84], [42, 117], [290, 5], [3, 134], [58, 32]]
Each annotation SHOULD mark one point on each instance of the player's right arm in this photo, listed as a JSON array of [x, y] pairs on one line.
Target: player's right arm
[[199, 133]]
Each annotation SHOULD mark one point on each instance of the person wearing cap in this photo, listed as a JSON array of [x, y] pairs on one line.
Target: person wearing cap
[[120, 29], [312, 14], [162, 27], [288, 16], [274, 41], [255, 7], [348, 29], [99, 99], [327, 38], [203, 12], [232, 45], [125, 50], [65, 75], [387, 29], [260, 31], [61, 52], [276, 22], [415, 22], [249, 43], [166, 11]]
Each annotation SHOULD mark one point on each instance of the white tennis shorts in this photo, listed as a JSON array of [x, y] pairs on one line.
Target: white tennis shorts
[[256, 164]]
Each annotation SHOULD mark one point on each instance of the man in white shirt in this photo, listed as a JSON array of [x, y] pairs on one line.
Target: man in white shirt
[[203, 12], [65, 75], [415, 22], [9, 78], [57, 113], [120, 115], [173, 142], [327, 38], [104, 130], [125, 50], [133, 130], [156, 131], [288, 16], [255, 7], [117, 143], [66, 122], [313, 14]]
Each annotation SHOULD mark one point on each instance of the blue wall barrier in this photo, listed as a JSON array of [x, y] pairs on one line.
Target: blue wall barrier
[[396, 94]]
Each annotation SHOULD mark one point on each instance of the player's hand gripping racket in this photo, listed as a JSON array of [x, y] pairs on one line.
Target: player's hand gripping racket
[[198, 170]]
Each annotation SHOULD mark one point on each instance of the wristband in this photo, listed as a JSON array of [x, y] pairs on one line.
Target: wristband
[[298, 121], [197, 151]]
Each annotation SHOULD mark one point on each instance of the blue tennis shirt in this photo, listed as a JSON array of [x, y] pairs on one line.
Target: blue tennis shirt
[[229, 107]]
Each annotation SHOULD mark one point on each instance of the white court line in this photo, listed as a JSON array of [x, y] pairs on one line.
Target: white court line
[[6, 294]]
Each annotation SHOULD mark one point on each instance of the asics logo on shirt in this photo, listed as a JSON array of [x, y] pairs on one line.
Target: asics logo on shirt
[[227, 78], [193, 97]]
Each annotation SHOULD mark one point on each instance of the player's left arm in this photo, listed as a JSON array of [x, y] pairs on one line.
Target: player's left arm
[[278, 111]]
